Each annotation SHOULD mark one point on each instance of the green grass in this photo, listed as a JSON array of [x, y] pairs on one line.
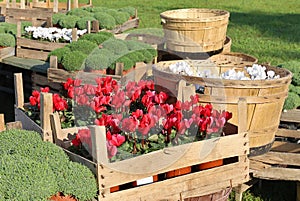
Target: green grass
[[265, 29]]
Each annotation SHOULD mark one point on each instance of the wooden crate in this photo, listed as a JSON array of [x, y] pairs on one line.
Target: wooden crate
[[195, 184], [58, 75], [10, 125], [45, 110], [35, 49], [6, 52], [282, 162]]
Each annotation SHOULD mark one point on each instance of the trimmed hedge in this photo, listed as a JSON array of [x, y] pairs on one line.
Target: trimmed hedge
[[7, 40], [31, 169], [74, 61], [79, 12], [84, 46], [68, 21], [97, 38], [82, 22], [96, 62], [116, 46], [60, 52], [106, 21]]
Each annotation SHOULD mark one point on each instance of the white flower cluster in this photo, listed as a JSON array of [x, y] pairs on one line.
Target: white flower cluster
[[181, 67], [53, 34], [255, 72], [184, 68]]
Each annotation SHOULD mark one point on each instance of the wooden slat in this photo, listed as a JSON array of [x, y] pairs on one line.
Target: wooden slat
[[291, 116], [45, 111], [279, 158], [19, 93], [2, 123], [274, 173], [196, 184], [288, 133], [42, 81], [256, 165], [14, 125], [7, 52], [39, 13], [39, 45], [286, 147], [26, 63], [32, 54], [174, 158], [134, 23]]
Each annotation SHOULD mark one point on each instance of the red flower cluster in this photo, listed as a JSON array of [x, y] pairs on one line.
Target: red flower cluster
[[135, 113], [59, 103]]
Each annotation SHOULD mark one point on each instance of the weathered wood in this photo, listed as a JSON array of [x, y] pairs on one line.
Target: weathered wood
[[291, 116], [190, 185], [130, 24], [286, 147], [40, 80], [279, 158], [276, 173], [19, 93], [288, 133], [6, 52], [39, 45], [98, 135], [32, 54], [29, 64], [2, 123], [14, 125], [45, 111]]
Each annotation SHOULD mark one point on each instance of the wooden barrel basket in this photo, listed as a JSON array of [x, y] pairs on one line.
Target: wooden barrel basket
[[265, 98], [195, 30]]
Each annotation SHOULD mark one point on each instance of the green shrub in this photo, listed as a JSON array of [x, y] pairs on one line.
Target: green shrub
[[128, 9], [79, 12], [294, 67], [60, 52], [56, 17], [107, 34], [128, 63], [82, 22], [83, 46], [78, 180], [31, 169], [98, 9], [68, 21], [292, 101], [96, 62], [96, 38], [148, 57], [135, 56], [23, 178], [7, 40], [74, 60], [106, 21], [116, 46], [120, 17]]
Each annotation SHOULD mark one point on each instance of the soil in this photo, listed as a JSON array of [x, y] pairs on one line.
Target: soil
[[62, 197]]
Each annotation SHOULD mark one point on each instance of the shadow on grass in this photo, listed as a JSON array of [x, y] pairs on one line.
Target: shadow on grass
[[282, 26]]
